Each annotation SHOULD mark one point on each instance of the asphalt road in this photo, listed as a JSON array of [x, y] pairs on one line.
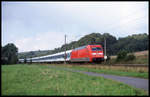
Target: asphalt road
[[135, 82]]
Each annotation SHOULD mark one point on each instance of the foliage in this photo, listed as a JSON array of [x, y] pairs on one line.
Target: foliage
[[9, 54], [130, 57], [136, 42], [124, 56], [121, 55]]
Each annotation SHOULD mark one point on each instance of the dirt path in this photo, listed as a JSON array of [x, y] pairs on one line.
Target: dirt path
[[135, 82]]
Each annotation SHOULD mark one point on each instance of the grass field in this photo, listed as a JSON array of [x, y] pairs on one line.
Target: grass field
[[42, 80]]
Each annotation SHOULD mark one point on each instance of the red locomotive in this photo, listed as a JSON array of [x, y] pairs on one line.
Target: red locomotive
[[88, 53]]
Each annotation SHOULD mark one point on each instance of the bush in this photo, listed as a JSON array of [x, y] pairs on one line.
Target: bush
[[9, 54], [130, 57], [121, 55]]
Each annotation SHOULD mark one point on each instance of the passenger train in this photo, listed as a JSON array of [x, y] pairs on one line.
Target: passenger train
[[88, 53]]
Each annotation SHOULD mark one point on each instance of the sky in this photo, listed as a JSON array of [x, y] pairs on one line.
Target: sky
[[42, 25]]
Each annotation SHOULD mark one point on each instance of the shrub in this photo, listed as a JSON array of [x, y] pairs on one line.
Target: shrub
[[130, 57], [121, 55]]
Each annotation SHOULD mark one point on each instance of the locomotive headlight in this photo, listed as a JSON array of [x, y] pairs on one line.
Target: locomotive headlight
[[100, 53], [93, 53]]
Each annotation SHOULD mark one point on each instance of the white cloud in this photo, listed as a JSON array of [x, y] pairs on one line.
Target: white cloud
[[41, 41]]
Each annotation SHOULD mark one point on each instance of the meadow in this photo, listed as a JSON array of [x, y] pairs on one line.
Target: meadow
[[37, 79]]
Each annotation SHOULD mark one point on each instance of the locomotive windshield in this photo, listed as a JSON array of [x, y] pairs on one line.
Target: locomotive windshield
[[96, 49]]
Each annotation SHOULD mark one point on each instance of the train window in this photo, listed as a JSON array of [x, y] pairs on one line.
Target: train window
[[58, 56], [46, 58], [62, 56], [96, 49], [50, 57]]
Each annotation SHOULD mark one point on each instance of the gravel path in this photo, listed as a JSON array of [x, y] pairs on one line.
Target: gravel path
[[135, 82]]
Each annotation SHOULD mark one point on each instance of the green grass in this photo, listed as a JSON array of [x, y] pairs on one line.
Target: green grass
[[43, 80]]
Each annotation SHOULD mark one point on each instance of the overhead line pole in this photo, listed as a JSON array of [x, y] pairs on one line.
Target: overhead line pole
[[65, 50], [105, 48]]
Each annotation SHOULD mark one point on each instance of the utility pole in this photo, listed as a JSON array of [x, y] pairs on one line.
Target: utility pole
[[65, 51], [105, 57]]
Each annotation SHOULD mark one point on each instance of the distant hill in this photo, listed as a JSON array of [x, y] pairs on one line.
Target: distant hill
[[133, 43], [33, 53]]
